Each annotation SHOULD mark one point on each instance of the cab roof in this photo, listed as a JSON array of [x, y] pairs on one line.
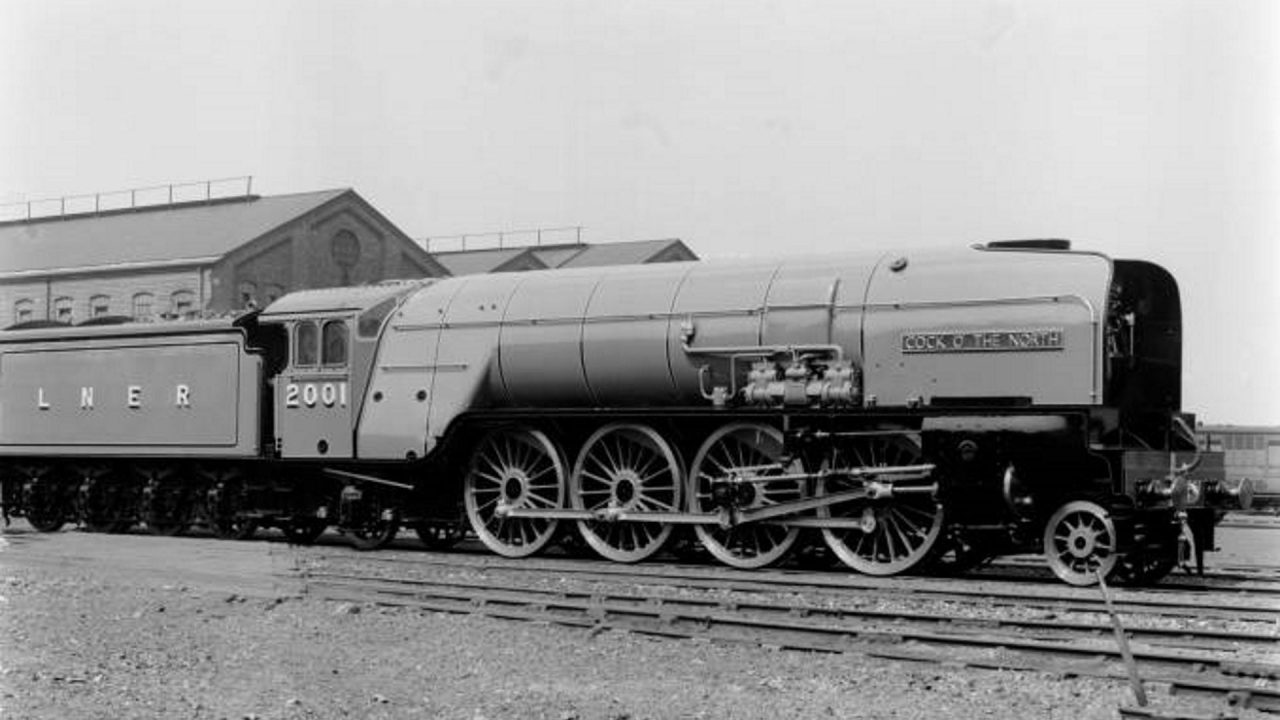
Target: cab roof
[[340, 299]]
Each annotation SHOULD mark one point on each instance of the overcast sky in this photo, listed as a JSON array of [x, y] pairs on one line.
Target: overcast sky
[[1141, 129]]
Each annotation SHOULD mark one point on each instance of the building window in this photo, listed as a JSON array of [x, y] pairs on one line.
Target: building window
[[182, 304], [248, 294], [335, 343], [62, 310], [143, 304], [344, 247], [24, 311], [99, 305], [306, 344]]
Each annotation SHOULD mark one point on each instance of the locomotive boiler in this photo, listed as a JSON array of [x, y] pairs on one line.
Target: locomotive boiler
[[924, 410]]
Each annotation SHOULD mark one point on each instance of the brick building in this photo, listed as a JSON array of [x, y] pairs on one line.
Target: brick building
[[184, 259]]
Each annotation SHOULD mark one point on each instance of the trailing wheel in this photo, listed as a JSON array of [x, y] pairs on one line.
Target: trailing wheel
[[732, 468], [1079, 542], [896, 531], [626, 468], [439, 535], [379, 523], [514, 469]]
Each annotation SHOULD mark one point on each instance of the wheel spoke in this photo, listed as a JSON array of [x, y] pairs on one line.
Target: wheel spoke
[[621, 466], [907, 528], [522, 458]]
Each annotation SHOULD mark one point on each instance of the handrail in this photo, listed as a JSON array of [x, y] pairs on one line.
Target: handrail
[[30, 206], [502, 237]]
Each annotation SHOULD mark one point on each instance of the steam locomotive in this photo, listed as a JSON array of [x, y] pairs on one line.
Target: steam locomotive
[[908, 411]]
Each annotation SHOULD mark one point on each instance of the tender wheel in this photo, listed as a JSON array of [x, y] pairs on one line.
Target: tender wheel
[[439, 535], [44, 506], [626, 468], [234, 528], [751, 452], [519, 468], [1080, 541], [897, 533], [165, 508], [105, 504], [225, 508], [304, 531]]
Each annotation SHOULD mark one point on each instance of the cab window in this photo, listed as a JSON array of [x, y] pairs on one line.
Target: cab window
[[306, 344], [334, 346]]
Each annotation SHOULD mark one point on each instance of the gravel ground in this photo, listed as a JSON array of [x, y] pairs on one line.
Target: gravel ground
[[138, 627]]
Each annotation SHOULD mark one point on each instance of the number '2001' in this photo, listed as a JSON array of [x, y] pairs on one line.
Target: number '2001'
[[312, 394]]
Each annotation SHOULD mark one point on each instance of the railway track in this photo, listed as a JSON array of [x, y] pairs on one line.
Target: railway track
[[1187, 660], [1234, 600]]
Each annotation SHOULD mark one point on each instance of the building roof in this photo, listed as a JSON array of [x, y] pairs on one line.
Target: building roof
[[557, 255], [626, 253], [473, 262], [170, 234]]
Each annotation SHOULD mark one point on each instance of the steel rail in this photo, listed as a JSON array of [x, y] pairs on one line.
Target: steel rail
[[995, 593], [899, 643], [805, 610]]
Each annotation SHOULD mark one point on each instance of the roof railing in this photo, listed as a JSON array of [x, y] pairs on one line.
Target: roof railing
[[533, 237], [129, 199]]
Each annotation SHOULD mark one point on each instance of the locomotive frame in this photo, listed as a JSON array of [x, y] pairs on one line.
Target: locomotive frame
[[887, 405]]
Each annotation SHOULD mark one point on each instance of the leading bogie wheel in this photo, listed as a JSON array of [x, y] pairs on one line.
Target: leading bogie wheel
[[626, 468], [1080, 542], [750, 453], [895, 534], [514, 469]]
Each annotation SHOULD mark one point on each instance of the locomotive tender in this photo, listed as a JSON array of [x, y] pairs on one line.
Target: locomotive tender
[[921, 410]]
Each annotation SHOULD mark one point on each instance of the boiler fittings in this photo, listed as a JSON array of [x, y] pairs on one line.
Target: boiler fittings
[[802, 381]]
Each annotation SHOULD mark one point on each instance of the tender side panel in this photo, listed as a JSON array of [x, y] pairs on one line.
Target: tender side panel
[[986, 327], [140, 397]]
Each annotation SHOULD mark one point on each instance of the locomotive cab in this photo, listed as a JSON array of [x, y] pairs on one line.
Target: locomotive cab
[[1144, 350], [332, 339]]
